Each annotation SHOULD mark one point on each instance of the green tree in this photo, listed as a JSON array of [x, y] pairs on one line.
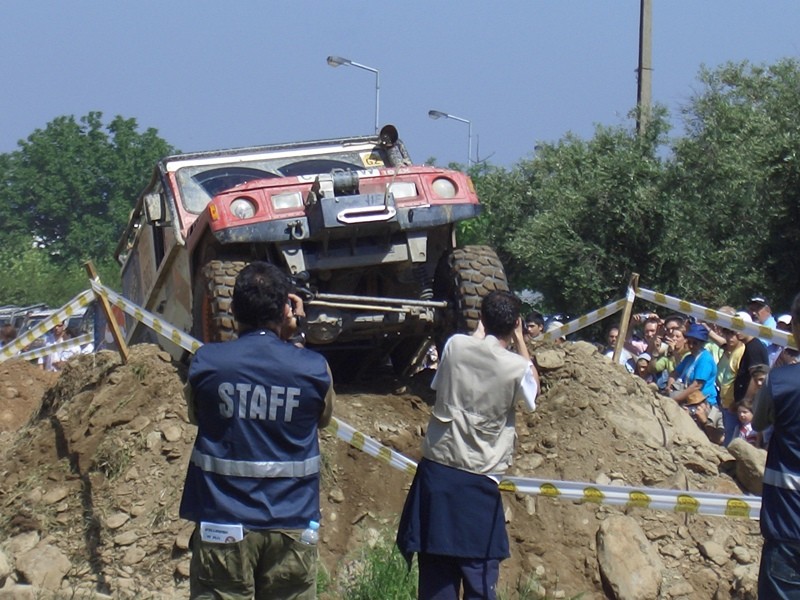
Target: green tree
[[736, 177], [712, 218], [579, 217], [68, 189]]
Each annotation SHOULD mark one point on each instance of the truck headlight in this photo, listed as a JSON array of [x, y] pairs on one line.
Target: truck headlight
[[444, 188], [243, 208], [287, 200], [403, 189]]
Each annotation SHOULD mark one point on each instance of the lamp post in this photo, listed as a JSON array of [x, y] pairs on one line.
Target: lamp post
[[336, 61], [437, 114]]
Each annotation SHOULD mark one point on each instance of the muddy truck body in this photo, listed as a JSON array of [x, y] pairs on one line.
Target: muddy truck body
[[367, 236]]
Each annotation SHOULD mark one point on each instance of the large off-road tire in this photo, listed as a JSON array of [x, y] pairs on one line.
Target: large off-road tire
[[212, 314], [464, 278]]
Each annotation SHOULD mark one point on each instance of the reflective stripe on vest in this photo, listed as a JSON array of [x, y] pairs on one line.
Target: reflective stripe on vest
[[788, 481], [259, 469]]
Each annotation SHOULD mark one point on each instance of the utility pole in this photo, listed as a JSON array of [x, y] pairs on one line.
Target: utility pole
[[644, 92]]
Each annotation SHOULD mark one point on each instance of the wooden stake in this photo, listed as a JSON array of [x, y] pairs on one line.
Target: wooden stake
[[112, 322]]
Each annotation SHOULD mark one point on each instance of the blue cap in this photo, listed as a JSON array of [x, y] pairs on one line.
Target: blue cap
[[697, 332]]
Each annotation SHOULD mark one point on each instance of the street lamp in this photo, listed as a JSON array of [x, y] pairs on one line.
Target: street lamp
[[336, 61], [437, 114]]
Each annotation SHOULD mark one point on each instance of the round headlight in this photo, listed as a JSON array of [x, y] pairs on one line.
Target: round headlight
[[242, 208], [444, 188]]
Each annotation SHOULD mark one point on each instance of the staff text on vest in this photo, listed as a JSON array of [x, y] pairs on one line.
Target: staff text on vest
[[257, 401]]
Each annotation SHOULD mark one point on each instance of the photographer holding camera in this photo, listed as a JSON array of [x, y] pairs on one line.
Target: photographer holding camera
[[252, 484], [453, 515]]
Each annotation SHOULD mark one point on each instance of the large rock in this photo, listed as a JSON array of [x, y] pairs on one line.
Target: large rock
[[44, 566], [750, 464], [5, 567], [629, 564]]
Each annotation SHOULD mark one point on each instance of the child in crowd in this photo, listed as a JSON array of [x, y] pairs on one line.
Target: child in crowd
[[643, 368], [745, 413]]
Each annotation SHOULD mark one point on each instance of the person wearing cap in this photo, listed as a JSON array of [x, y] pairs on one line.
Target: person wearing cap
[[552, 325], [697, 371], [698, 408], [727, 368], [778, 404], [761, 313], [643, 367], [755, 353], [774, 350]]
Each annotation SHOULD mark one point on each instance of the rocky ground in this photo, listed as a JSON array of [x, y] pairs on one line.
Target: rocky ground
[[92, 464]]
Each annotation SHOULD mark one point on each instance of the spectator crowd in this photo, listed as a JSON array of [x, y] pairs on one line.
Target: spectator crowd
[[713, 372]]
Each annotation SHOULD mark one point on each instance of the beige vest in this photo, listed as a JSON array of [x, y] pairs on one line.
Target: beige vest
[[478, 383]]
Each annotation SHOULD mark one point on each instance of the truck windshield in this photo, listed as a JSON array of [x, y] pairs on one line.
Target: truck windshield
[[199, 182]]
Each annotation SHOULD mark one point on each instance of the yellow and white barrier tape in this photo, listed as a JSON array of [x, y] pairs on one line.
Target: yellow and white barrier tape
[[157, 324], [371, 446], [80, 301], [584, 321], [74, 343], [709, 314], [680, 501]]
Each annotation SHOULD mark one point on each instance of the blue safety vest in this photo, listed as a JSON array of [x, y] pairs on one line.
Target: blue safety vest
[[255, 460], [780, 509]]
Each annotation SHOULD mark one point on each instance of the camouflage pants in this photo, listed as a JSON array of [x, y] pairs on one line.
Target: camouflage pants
[[265, 564]]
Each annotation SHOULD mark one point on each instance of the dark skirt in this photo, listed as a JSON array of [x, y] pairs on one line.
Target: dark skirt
[[451, 512]]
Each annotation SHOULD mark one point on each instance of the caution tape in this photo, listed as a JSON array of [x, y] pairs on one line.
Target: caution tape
[[679, 501], [80, 301], [74, 343], [371, 446], [160, 326], [690, 502], [584, 321], [714, 316]]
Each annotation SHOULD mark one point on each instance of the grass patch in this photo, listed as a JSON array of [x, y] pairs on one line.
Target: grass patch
[[381, 573], [112, 458]]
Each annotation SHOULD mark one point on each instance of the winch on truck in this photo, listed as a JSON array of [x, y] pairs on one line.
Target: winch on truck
[[367, 236]]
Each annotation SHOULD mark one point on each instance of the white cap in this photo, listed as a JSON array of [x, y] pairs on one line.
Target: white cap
[[644, 356], [744, 316], [554, 325], [785, 319]]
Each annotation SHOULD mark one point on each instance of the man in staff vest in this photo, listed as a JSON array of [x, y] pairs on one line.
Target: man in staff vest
[[252, 484], [778, 404]]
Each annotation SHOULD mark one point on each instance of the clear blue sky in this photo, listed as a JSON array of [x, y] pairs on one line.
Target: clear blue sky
[[211, 75]]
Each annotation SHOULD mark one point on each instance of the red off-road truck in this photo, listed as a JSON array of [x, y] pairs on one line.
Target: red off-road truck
[[367, 236]]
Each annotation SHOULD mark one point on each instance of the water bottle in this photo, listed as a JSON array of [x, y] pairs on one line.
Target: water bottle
[[310, 534]]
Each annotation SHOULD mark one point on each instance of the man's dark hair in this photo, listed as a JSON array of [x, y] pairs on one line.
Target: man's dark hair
[[678, 318], [499, 313], [260, 295], [7, 333], [535, 317]]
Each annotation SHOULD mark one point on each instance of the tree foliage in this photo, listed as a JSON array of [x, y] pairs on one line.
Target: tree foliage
[[711, 216], [737, 177], [67, 192], [577, 219]]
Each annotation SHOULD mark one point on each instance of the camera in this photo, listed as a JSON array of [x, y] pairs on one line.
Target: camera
[[300, 287], [693, 410]]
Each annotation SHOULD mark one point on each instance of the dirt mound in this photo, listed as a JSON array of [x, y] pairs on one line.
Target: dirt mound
[[98, 472]]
